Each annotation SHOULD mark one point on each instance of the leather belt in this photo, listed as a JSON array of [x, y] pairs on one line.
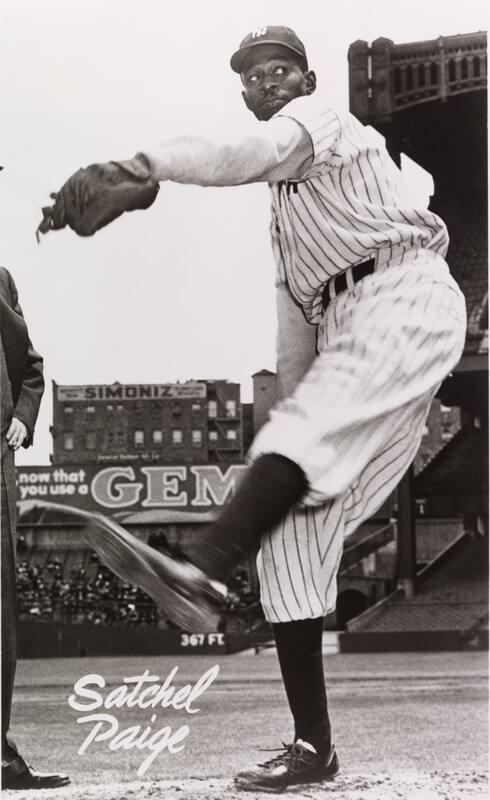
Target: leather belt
[[359, 271]]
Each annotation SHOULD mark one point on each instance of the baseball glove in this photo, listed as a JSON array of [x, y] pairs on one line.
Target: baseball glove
[[98, 194]]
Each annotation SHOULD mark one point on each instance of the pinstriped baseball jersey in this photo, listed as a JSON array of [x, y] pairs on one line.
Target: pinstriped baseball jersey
[[351, 201]]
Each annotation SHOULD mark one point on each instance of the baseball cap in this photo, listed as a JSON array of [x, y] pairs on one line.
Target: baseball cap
[[268, 34]]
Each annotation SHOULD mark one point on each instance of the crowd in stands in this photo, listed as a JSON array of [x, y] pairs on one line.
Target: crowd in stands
[[93, 594], [84, 595], [242, 607]]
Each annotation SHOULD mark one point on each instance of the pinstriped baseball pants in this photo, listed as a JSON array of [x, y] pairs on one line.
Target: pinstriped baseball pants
[[355, 422]]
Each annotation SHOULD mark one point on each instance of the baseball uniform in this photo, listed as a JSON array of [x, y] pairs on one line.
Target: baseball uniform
[[354, 421]]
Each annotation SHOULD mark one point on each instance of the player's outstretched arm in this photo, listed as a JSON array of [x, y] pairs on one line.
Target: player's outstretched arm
[[277, 150], [95, 196]]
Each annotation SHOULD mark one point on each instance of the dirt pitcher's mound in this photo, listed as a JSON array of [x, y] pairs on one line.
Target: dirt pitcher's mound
[[363, 786]]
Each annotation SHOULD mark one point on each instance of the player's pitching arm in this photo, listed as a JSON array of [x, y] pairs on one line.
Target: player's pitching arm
[[280, 149], [296, 342]]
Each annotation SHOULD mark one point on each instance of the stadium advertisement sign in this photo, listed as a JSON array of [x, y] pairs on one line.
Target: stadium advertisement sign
[[133, 488], [191, 390]]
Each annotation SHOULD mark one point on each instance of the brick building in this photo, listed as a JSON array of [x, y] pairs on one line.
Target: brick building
[[193, 422]]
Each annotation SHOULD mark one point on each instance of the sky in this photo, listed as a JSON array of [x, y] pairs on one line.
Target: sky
[[185, 289]]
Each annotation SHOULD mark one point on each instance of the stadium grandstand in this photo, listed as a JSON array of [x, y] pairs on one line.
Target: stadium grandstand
[[428, 99]]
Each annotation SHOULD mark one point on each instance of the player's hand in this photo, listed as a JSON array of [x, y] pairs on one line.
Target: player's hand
[[98, 194], [16, 434]]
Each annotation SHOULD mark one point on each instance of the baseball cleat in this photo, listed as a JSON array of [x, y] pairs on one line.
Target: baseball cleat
[[298, 763], [182, 592]]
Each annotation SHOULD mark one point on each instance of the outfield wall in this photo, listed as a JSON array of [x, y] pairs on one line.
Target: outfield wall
[[69, 640]]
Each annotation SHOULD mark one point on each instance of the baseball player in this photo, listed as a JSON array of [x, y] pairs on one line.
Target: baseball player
[[369, 323]]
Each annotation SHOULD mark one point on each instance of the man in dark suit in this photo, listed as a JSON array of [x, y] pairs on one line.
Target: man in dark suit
[[22, 386]]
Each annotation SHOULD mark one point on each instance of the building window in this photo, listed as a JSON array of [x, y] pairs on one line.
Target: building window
[[446, 431], [68, 441], [196, 438], [176, 410], [110, 408], [230, 408], [231, 435], [120, 407], [139, 438], [121, 438], [91, 440], [420, 504], [157, 437], [90, 409], [213, 436], [177, 437], [212, 409], [196, 407], [68, 409]]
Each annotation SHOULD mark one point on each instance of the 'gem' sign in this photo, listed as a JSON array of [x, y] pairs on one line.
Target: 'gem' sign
[[115, 488]]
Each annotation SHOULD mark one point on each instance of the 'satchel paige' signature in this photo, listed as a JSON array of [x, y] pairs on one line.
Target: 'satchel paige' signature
[[144, 691]]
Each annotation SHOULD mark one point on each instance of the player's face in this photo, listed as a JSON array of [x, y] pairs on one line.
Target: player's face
[[271, 78]]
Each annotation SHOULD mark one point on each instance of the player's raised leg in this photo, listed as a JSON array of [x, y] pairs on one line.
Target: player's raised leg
[[384, 349]]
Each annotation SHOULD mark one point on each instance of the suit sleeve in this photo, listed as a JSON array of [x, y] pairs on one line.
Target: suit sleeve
[[29, 400]]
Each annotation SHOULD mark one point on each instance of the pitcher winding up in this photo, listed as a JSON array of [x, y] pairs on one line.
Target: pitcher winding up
[[370, 322]]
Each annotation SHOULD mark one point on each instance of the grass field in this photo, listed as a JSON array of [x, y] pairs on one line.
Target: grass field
[[406, 726]]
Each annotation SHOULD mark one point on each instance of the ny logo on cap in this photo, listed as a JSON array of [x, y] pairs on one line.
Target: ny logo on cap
[[259, 32]]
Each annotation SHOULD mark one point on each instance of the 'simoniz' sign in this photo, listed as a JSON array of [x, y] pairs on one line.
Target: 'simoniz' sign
[[118, 391], [117, 487]]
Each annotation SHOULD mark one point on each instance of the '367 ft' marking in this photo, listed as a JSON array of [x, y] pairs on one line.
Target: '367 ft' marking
[[200, 639]]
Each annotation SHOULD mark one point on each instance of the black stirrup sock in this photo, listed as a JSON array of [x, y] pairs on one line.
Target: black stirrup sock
[[270, 488], [299, 649]]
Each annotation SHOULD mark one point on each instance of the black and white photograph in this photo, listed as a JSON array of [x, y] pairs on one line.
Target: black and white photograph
[[244, 400]]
